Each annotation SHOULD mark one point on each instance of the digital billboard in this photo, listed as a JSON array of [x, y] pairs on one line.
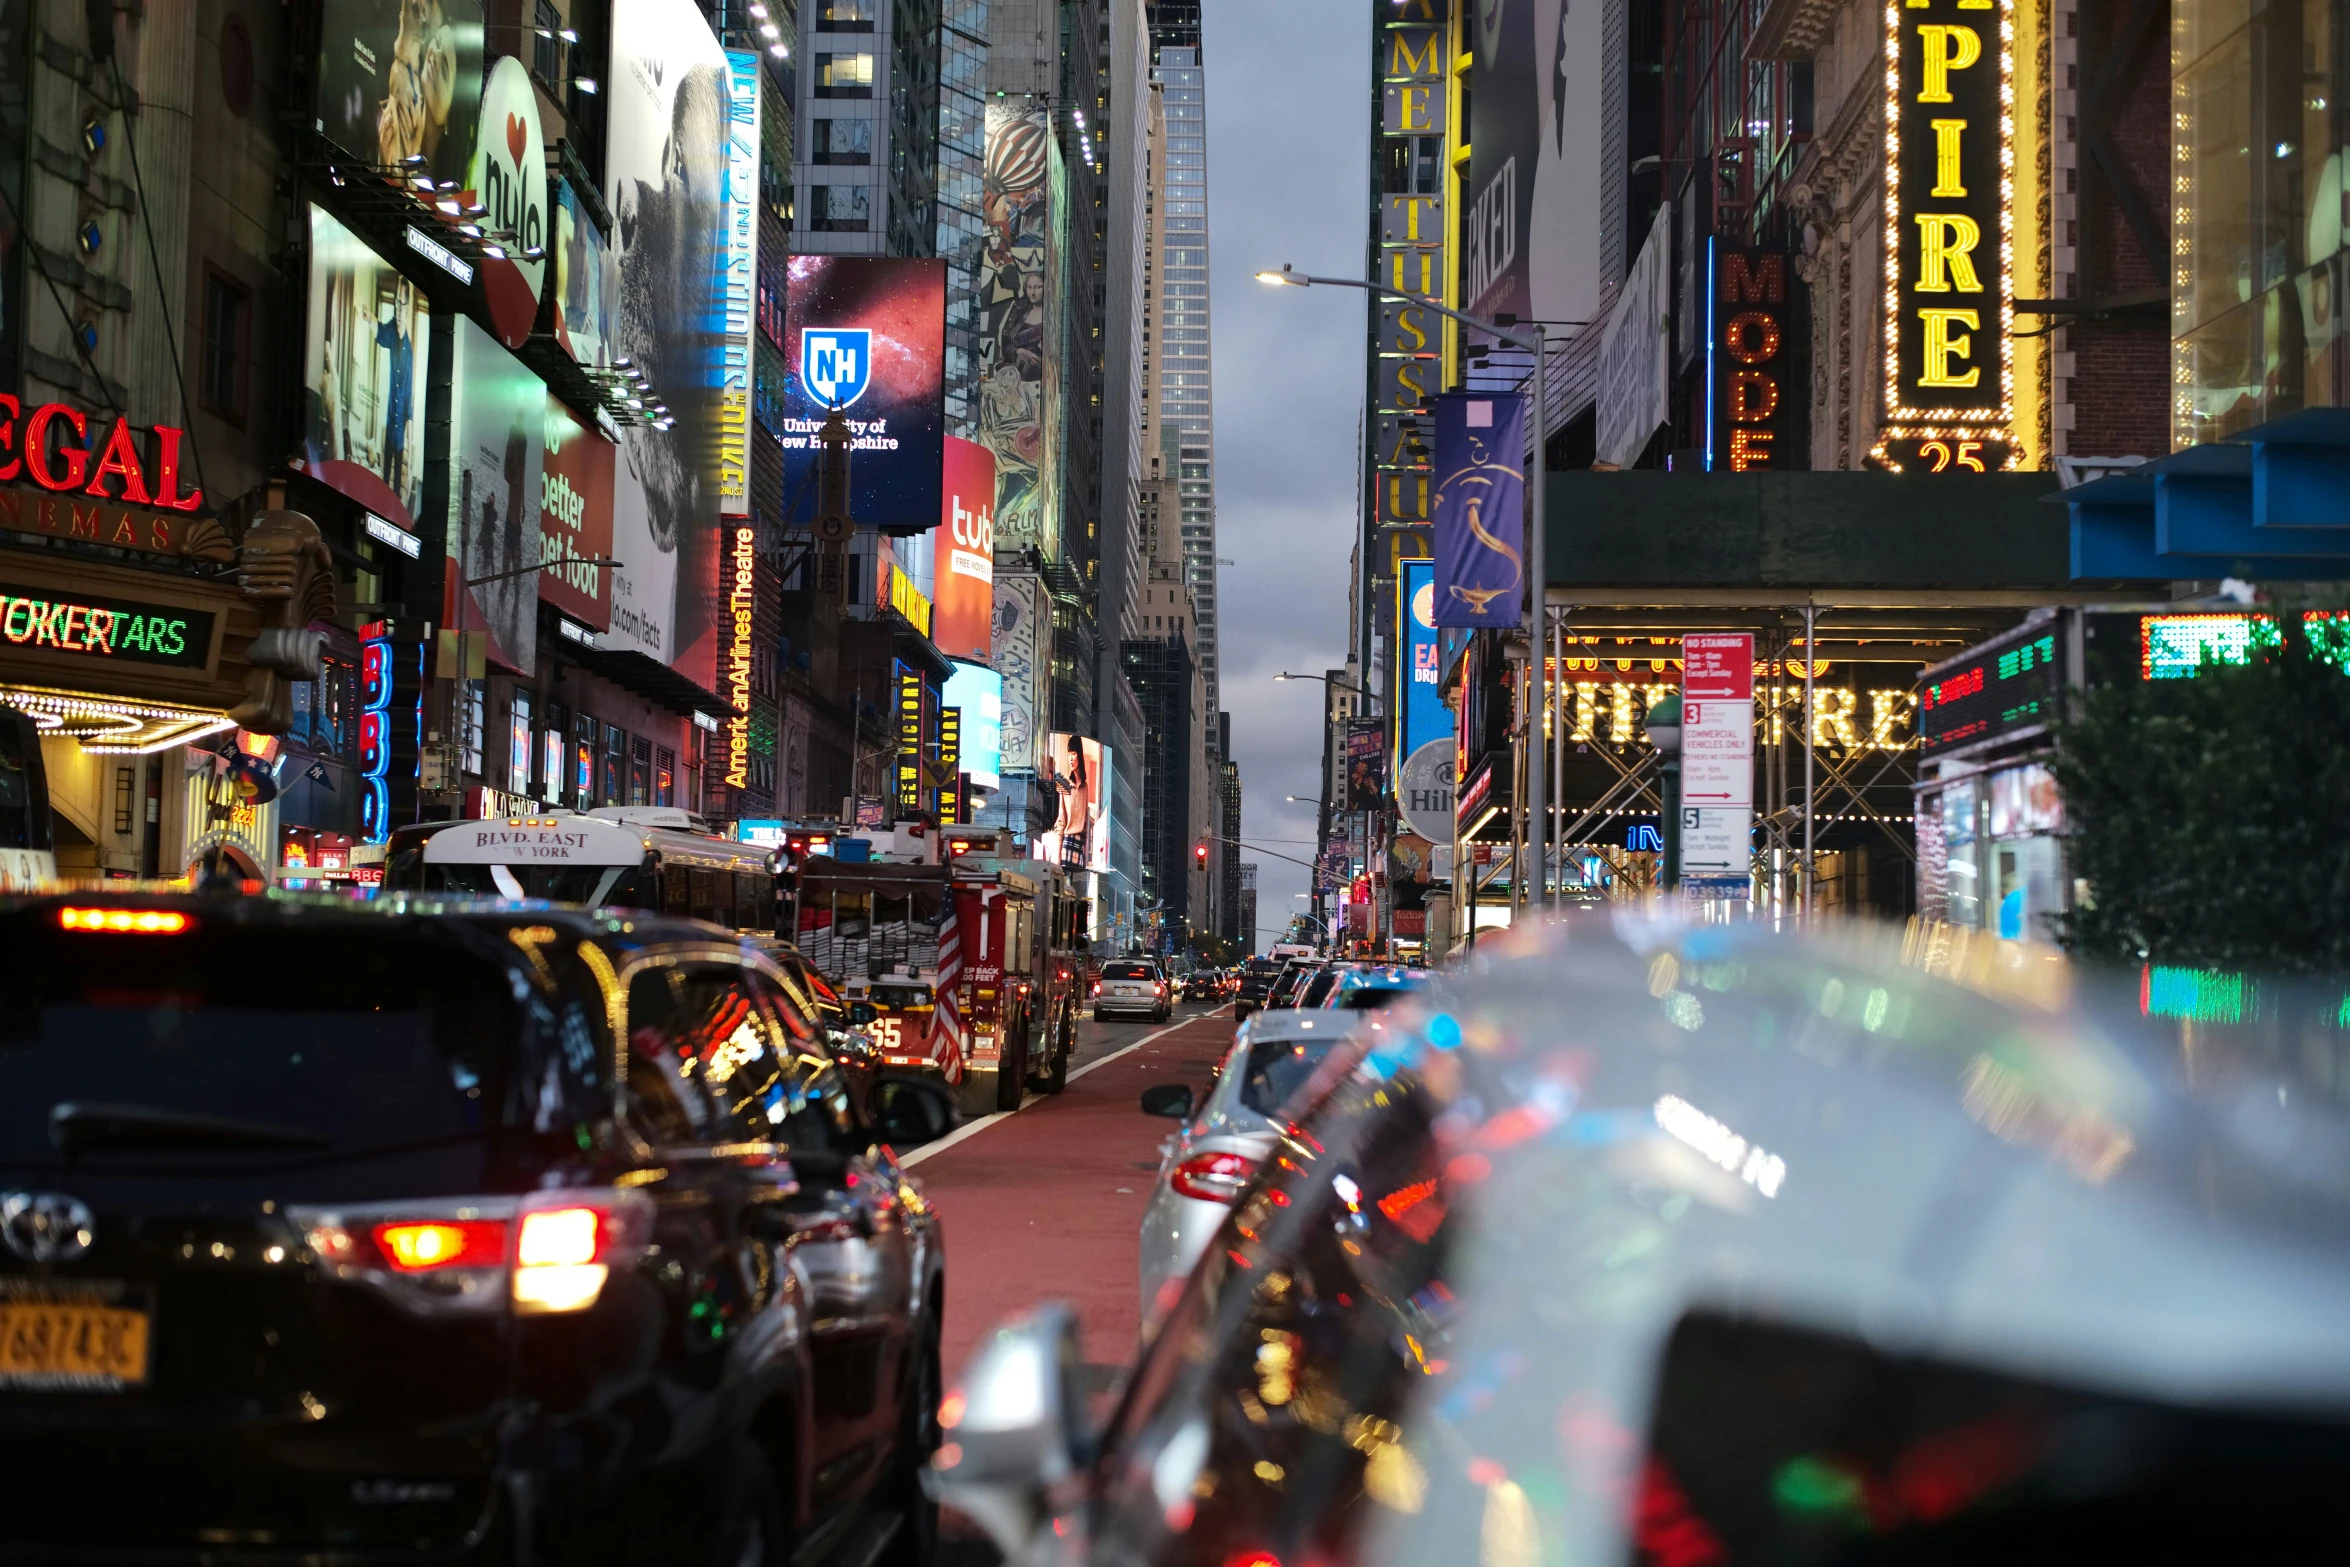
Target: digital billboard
[[1080, 836], [575, 518], [587, 289], [366, 350], [508, 175], [739, 288], [1020, 323], [1023, 655], [1425, 717], [1538, 91], [401, 79], [978, 693], [868, 335], [497, 443], [963, 625], [667, 97]]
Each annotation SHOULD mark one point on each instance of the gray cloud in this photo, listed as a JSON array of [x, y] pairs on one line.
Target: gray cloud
[[1288, 181]]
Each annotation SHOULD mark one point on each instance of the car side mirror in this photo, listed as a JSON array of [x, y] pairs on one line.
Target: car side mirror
[[1016, 1441], [910, 1111], [863, 1012], [1172, 1100]]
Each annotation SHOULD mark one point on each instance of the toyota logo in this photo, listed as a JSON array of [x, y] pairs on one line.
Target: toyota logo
[[46, 1226]]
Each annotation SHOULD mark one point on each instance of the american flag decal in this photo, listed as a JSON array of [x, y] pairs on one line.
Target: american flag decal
[[946, 1019]]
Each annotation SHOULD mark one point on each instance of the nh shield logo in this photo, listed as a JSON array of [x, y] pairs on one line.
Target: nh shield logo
[[836, 364]]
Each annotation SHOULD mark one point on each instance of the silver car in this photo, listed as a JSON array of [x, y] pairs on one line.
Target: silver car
[[1132, 987], [1210, 1162]]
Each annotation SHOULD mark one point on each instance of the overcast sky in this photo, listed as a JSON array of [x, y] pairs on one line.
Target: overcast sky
[[1288, 165]]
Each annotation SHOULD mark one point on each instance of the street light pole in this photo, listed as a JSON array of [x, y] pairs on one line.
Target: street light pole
[[1533, 340]]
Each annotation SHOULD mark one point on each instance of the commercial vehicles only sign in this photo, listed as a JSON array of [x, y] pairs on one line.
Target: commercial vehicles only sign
[[1717, 761]]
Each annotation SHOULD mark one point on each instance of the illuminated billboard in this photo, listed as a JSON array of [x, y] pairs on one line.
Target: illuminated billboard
[[964, 622], [867, 335], [497, 442], [366, 353], [1021, 284], [575, 518], [401, 81], [978, 693], [739, 288], [668, 97], [1425, 717], [1080, 836]]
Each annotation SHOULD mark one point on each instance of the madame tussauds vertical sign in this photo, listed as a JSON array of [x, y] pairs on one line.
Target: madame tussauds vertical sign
[[1949, 235]]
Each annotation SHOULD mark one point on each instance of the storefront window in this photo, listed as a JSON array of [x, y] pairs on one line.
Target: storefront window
[[2027, 862], [615, 765], [583, 762], [2257, 175], [552, 751], [664, 776], [518, 741], [1959, 835]]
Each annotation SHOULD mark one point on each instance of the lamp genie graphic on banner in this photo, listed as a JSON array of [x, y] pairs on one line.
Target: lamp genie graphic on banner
[[1479, 509]]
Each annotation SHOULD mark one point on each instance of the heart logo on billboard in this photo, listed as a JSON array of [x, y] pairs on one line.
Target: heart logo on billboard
[[514, 141], [509, 172]]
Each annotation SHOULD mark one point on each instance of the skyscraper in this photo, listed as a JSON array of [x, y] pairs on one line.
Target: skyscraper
[[1179, 274]]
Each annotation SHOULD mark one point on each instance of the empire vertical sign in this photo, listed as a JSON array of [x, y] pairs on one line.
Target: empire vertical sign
[[1717, 761], [1949, 235]]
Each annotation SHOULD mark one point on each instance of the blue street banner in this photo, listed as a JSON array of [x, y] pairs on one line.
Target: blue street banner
[[1425, 717], [1480, 509]]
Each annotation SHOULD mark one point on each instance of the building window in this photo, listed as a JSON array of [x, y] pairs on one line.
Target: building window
[[842, 209], [844, 141], [473, 718], [844, 76], [546, 45], [845, 16], [583, 779], [228, 325], [640, 772], [518, 742], [615, 765], [664, 776]]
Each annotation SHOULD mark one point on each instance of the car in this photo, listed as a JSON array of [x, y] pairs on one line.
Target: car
[[1256, 978], [1367, 987], [437, 1230], [1318, 985], [1225, 1139], [1132, 986], [1869, 1249], [1285, 988], [1204, 984]]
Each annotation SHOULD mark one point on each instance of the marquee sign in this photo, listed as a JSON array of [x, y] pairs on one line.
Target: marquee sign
[[740, 604], [105, 628], [60, 448], [1757, 385], [1949, 236]]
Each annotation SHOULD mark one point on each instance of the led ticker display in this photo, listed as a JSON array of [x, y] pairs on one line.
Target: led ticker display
[[1949, 235], [105, 628], [2003, 687], [2176, 647]]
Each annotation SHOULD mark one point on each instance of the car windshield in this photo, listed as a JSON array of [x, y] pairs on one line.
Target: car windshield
[[900, 996], [1129, 971], [1278, 1068], [1369, 998], [342, 1038], [592, 885]]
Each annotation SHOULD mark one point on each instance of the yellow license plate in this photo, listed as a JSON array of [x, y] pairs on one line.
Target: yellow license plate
[[53, 1344]]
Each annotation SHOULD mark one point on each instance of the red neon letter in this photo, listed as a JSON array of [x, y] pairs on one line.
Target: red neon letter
[[121, 458], [167, 473], [9, 409], [36, 447]]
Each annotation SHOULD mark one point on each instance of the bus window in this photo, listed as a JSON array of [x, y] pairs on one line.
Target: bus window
[[675, 897]]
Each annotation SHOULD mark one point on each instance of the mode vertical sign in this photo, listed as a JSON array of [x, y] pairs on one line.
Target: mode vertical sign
[[1717, 761], [1950, 231]]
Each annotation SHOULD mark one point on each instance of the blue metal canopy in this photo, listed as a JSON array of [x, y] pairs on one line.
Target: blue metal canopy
[[2272, 503]]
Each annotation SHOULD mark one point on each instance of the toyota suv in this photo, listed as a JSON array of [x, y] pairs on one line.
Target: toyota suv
[[344, 1232]]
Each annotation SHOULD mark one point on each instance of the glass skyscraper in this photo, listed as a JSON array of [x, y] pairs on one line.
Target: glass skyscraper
[[1181, 360], [962, 153]]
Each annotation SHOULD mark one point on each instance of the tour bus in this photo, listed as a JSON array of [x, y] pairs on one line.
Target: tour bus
[[616, 856]]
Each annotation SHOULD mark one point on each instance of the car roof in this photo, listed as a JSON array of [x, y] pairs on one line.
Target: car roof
[[1385, 977], [1297, 1023]]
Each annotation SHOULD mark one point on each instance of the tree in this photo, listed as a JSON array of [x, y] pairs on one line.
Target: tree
[[2210, 817]]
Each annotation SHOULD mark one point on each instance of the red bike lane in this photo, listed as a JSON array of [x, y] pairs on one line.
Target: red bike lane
[[1047, 1204]]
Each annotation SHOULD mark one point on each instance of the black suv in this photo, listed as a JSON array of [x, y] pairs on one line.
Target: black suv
[[342, 1233], [1256, 978]]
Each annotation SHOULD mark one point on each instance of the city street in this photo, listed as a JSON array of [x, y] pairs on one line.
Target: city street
[[1046, 1204]]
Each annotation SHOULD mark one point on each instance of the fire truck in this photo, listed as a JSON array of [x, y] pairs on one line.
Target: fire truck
[[972, 969]]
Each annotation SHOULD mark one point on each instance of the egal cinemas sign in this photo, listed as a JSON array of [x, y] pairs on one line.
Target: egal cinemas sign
[[1949, 235]]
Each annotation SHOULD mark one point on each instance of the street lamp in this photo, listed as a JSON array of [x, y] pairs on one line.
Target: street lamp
[[1663, 724], [1531, 339]]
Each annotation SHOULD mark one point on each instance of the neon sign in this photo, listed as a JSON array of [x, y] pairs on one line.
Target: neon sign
[[1755, 391], [57, 448], [106, 628], [909, 740], [1949, 235], [391, 725], [738, 658]]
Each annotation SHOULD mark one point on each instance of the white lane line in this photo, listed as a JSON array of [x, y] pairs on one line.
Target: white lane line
[[974, 1128]]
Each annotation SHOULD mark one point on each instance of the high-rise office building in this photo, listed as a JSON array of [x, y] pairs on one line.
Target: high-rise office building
[[962, 221], [866, 163], [1178, 275]]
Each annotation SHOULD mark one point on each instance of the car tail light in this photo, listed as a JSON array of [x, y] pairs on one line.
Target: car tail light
[[1159, 989], [1097, 987], [1214, 1177], [545, 1253], [125, 922]]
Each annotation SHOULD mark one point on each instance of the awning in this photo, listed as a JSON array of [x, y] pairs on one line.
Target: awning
[[2270, 504]]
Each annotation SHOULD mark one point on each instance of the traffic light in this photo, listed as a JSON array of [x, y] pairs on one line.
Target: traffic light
[[1199, 854]]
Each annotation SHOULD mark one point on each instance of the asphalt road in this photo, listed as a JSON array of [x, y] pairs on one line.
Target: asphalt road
[[1046, 1203]]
